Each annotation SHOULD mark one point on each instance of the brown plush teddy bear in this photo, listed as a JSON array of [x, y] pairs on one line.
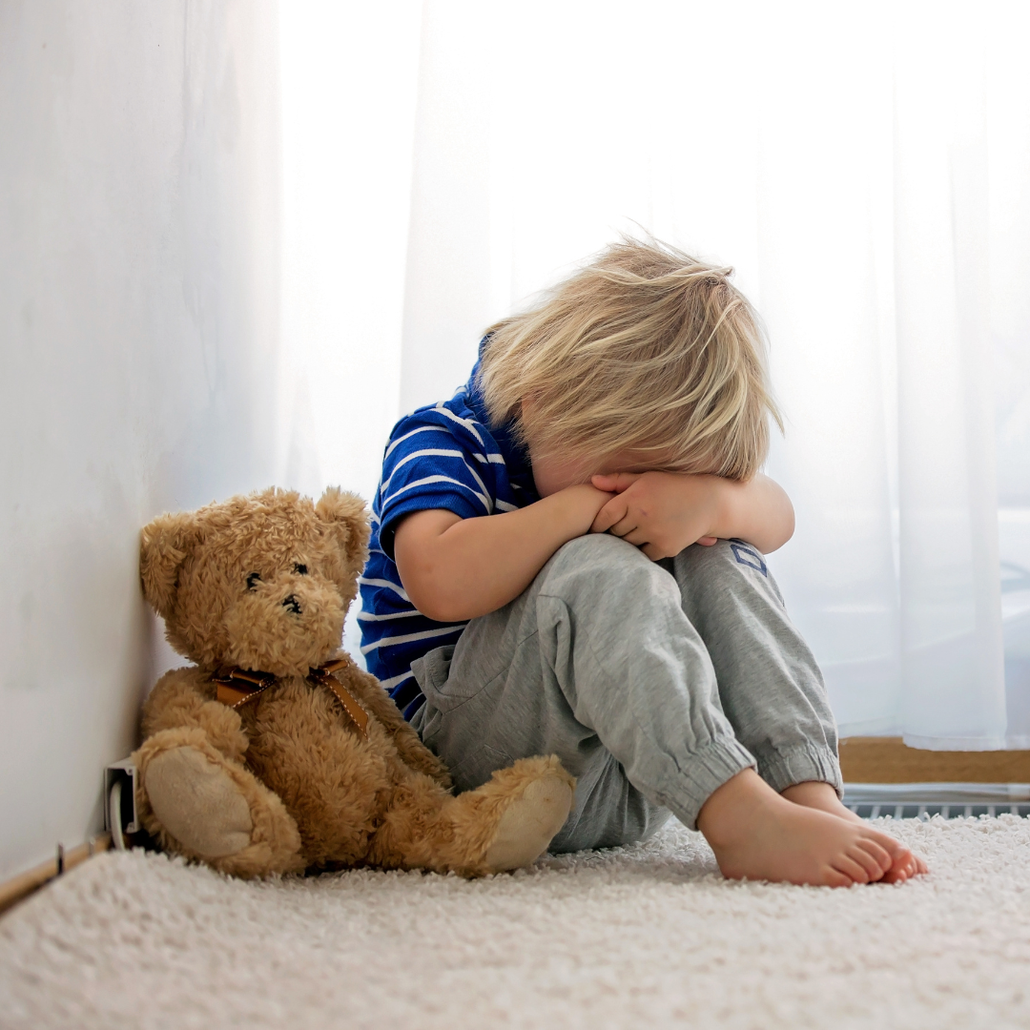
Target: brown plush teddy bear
[[274, 753]]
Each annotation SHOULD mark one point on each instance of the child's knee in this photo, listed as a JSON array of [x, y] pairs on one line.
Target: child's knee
[[597, 556], [601, 568]]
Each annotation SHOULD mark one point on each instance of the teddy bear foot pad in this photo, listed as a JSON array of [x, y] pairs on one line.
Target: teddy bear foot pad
[[528, 826], [211, 818]]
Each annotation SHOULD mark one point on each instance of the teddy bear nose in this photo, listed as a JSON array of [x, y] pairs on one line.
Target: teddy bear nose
[[292, 604]]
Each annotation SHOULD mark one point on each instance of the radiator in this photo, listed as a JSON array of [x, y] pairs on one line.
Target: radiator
[[948, 800]]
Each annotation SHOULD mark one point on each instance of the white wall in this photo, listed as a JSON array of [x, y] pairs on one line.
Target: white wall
[[349, 77], [139, 214], [349, 74]]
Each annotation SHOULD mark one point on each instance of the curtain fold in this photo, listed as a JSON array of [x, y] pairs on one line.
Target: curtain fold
[[866, 169], [952, 657]]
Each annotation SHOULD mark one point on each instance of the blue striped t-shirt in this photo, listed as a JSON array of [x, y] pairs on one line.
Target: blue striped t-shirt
[[440, 456]]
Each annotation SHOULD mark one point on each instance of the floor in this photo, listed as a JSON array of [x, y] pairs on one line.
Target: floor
[[645, 936]]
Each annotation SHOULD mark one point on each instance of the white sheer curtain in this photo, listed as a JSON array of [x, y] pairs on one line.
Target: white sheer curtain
[[866, 169]]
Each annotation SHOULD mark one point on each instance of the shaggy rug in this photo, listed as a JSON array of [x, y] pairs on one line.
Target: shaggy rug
[[644, 936]]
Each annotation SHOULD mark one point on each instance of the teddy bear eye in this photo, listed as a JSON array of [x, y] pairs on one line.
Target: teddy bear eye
[[253, 578], [301, 569]]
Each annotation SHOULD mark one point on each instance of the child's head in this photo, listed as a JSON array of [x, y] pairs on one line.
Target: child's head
[[646, 350]]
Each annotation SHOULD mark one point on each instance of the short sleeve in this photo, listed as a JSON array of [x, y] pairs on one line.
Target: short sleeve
[[436, 461]]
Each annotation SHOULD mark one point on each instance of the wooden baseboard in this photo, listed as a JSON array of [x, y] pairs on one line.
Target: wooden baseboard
[[22, 885], [889, 760]]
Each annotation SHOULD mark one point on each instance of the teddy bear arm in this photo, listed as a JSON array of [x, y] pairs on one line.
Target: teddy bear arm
[[409, 746], [180, 700]]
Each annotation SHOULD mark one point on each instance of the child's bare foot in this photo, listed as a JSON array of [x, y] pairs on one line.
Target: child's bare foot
[[821, 796], [758, 834]]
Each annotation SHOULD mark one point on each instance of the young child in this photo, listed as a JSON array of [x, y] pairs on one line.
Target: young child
[[534, 585]]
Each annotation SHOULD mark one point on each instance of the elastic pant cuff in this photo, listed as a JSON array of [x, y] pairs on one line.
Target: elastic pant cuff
[[785, 768], [710, 767]]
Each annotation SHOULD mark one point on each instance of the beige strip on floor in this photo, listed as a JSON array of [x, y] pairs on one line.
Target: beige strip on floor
[[22, 885]]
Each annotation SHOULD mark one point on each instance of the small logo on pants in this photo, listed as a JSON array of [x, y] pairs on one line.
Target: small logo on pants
[[747, 555]]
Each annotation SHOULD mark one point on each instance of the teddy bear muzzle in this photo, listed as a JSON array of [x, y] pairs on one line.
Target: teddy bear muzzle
[[286, 628]]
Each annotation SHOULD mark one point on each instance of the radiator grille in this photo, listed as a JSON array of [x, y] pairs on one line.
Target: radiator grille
[[948, 800], [955, 811]]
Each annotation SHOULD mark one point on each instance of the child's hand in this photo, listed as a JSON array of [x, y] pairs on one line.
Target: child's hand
[[659, 512]]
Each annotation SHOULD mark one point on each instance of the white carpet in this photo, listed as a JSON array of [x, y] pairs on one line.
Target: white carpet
[[649, 936]]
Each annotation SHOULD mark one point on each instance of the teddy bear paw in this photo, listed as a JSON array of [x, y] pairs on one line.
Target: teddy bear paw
[[198, 803], [531, 821]]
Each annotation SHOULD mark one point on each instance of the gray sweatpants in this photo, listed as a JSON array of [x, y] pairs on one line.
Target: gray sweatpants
[[654, 683]]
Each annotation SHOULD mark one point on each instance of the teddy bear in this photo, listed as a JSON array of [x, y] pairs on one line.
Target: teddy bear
[[274, 752]]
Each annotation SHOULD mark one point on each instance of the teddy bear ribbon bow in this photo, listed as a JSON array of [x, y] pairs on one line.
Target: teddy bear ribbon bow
[[238, 686]]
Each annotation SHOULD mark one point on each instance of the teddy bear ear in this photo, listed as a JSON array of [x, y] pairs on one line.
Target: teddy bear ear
[[164, 545], [346, 516]]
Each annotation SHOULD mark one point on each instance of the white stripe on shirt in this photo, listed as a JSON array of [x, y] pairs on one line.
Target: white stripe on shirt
[[421, 429], [384, 583], [369, 617], [472, 473], [437, 452], [405, 638], [394, 681], [484, 500], [470, 426]]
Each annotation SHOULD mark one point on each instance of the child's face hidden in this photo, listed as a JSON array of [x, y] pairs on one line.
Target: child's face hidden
[[552, 473]]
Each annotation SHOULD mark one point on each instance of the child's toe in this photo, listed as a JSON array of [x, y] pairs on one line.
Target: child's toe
[[853, 869], [878, 854], [872, 865]]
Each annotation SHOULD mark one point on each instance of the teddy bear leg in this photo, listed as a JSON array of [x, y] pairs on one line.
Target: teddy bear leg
[[204, 806], [505, 824], [515, 814]]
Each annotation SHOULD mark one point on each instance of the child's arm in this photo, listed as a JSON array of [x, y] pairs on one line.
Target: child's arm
[[455, 569], [663, 512]]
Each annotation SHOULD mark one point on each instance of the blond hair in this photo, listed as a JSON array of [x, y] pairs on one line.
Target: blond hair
[[645, 349]]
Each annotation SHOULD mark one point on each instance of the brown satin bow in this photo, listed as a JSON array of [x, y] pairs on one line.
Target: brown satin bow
[[238, 686]]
